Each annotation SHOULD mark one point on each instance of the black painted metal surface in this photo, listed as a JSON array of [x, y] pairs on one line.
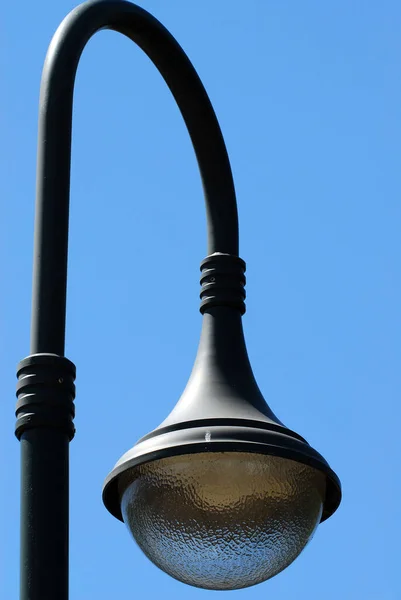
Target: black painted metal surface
[[44, 423], [222, 406]]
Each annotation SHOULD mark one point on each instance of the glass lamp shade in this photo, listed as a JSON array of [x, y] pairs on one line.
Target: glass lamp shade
[[223, 520]]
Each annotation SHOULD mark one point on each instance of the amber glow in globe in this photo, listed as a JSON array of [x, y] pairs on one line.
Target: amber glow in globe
[[223, 520]]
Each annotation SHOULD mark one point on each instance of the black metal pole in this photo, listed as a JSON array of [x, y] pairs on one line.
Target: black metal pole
[[46, 389], [54, 150]]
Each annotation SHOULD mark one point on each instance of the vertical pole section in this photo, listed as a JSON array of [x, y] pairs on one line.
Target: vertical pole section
[[45, 412], [44, 515]]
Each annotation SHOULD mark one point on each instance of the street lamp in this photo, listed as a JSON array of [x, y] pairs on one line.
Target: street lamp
[[221, 495]]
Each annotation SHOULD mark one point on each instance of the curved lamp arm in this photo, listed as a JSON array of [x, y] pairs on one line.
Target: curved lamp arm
[[54, 150]]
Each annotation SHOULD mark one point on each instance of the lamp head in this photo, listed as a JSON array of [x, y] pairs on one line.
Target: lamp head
[[222, 495]]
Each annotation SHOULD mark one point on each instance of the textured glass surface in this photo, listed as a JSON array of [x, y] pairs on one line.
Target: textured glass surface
[[223, 520]]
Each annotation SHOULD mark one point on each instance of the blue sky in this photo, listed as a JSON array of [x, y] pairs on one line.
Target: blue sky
[[308, 97]]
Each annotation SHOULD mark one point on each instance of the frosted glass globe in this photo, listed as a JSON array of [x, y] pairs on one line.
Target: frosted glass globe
[[223, 520]]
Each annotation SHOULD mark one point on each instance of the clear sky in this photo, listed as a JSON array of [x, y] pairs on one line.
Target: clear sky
[[308, 95]]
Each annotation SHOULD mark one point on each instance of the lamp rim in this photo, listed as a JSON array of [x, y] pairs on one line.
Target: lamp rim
[[221, 438]]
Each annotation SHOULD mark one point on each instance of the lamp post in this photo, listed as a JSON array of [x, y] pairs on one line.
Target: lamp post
[[221, 495]]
